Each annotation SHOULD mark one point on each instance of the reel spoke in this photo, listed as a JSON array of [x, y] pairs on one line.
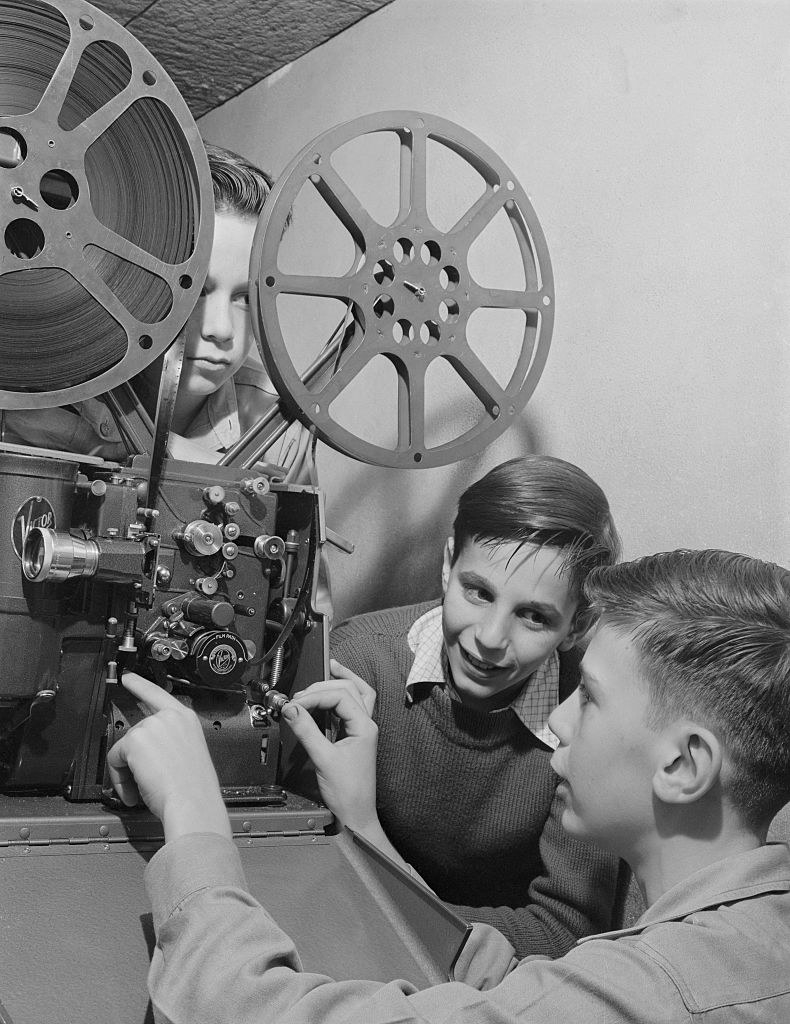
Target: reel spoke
[[345, 205], [342, 377], [413, 170], [478, 379], [104, 237], [479, 216], [96, 286], [497, 298], [309, 284], [51, 102], [93, 127], [413, 440]]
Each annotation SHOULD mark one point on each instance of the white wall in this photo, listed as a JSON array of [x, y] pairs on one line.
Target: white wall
[[652, 138]]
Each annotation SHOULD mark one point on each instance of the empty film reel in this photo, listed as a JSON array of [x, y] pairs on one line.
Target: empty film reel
[[106, 207], [408, 289]]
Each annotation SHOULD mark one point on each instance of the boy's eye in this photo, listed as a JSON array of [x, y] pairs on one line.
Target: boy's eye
[[479, 594], [532, 617], [242, 299], [584, 694]]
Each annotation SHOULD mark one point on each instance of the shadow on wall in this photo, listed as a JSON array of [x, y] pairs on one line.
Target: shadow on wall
[[399, 521]]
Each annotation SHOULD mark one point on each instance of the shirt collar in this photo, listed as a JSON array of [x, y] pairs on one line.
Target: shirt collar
[[217, 423], [742, 876], [532, 705]]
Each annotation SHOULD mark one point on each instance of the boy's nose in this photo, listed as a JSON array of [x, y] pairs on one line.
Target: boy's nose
[[217, 320], [562, 718], [491, 631]]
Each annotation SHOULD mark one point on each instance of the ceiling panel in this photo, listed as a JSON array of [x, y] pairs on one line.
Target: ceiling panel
[[215, 50]]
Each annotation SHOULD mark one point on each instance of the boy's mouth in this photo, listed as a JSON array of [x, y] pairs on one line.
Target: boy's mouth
[[483, 667], [204, 360]]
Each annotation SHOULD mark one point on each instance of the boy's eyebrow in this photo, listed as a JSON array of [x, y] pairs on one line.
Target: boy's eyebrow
[[471, 578], [541, 606], [587, 678]]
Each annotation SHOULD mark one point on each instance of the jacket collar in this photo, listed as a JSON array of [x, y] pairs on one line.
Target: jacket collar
[[740, 877]]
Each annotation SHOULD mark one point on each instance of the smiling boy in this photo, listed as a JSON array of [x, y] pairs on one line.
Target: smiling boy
[[674, 753], [461, 691], [488, 661]]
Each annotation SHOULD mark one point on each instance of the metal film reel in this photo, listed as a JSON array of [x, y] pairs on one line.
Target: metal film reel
[[106, 205], [410, 291]]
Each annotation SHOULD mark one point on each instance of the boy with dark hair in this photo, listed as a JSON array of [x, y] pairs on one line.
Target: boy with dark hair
[[673, 754], [461, 691]]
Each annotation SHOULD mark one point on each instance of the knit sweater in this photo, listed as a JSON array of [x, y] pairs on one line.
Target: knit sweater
[[468, 799]]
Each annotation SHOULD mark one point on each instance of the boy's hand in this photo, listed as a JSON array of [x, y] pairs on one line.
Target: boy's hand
[[164, 761], [346, 769], [344, 678]]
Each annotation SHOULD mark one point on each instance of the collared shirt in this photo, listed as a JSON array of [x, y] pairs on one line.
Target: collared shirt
[[713, 950], [532, 705], [88, 427], [217, 422], [230, 410]]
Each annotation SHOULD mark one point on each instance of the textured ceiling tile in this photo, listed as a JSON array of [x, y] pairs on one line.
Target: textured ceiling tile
[[122, 10], [366, 5], [215, 50]]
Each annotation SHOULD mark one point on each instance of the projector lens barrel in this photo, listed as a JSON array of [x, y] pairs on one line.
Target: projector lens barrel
[[53, 555]]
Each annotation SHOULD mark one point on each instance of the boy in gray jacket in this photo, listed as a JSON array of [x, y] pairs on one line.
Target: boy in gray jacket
[[674, 754]]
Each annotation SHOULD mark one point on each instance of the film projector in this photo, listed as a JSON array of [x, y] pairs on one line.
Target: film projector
[[200, 576]]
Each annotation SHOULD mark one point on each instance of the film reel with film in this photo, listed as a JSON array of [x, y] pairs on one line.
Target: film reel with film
[[106, 205]]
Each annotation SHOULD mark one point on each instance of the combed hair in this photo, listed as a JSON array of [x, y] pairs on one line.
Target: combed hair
[[712, 629], [540, 500], [239, 186]]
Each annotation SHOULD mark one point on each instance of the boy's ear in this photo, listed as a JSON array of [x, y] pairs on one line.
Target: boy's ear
[[691, 761], [582, 621], [447, 563]]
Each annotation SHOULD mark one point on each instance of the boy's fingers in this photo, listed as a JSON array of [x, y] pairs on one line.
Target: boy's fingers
[[306, 731], [332, 686], [365, 690], [339, 671], [354, 717], [153, 696], [121, 776]]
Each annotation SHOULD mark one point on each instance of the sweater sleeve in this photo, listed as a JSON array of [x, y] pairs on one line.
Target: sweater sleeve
[[575, 895]]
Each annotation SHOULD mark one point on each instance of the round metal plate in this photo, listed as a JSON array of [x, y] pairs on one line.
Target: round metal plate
[[410, 290], [106, 205]]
